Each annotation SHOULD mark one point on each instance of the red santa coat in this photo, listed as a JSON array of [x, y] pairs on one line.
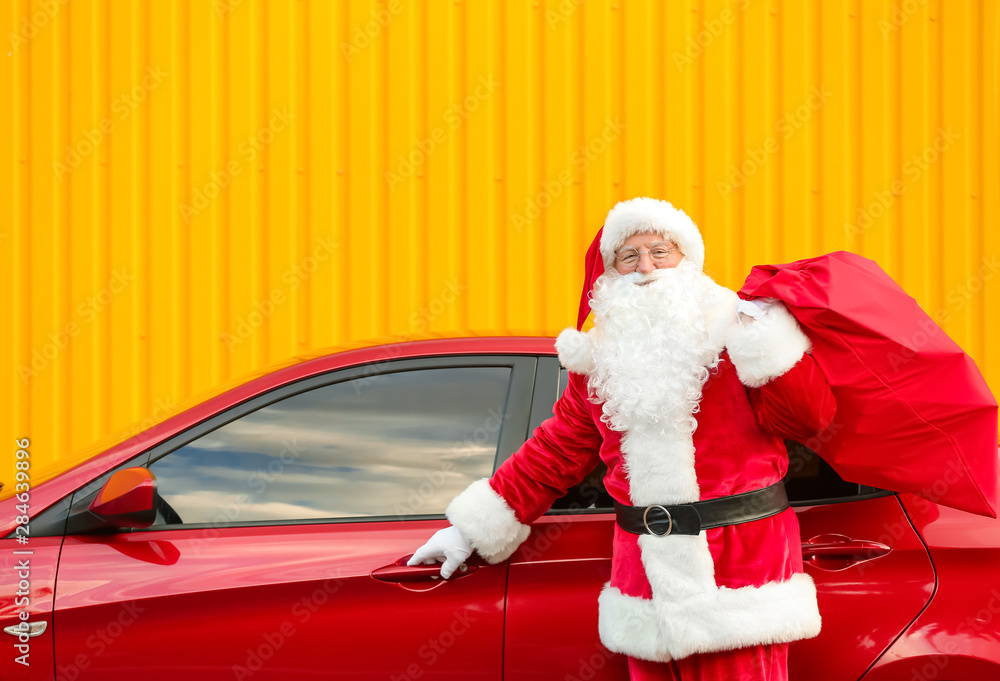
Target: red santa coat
[[671, 597]]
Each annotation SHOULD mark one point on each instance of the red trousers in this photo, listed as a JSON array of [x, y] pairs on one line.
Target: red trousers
[[759, 663]]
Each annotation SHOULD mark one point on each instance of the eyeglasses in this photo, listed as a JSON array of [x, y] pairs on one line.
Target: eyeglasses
[[630, 256]]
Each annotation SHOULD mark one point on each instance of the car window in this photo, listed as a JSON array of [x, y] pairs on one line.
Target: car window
[[589, 494], [810, 478], [396, 444]]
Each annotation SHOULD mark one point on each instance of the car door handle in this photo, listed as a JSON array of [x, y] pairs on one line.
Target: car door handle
[[401, 572], [840, 550], [29, 629]]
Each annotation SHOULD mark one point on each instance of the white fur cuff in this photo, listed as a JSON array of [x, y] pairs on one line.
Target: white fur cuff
[[575, 351], [766, 348], [485, 519]]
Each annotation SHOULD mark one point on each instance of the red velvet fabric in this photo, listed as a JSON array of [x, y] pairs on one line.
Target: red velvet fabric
[[738, 448], [781, 409], [593, 267], [759, 663], [738, 442], [890, 364]]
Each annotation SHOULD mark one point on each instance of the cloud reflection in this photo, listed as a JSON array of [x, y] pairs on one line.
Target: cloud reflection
[[406, 443]]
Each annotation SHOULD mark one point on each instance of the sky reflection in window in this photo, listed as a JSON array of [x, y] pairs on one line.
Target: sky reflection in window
[[395, 444]]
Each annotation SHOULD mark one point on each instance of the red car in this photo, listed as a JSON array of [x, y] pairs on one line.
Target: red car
[[264, 535]]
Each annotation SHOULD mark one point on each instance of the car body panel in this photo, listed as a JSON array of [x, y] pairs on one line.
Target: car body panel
[[48, 493], [864, 604], [555, 578], [217, 600], [269, 603], [958, 635], [42, 557], [557, 574]]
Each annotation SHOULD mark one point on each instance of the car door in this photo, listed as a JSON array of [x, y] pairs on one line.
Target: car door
[[282, 531], [29, 570], [556, 575], [872, 573]]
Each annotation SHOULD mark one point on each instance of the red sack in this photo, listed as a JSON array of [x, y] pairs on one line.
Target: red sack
[[914, 414]]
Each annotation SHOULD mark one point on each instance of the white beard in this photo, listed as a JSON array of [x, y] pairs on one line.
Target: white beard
[[652, 348]]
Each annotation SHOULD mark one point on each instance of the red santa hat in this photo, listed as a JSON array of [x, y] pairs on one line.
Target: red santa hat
[[637, 216]]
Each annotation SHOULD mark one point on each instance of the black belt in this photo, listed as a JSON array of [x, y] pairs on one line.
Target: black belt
[[692, 518]]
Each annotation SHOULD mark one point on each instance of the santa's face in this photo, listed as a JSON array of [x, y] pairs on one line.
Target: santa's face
[[646, 252]]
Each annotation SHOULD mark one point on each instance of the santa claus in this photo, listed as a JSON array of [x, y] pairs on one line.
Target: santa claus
[[686, 393]]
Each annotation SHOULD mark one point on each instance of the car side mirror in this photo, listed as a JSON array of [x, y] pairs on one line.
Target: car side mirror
[[126, 500]]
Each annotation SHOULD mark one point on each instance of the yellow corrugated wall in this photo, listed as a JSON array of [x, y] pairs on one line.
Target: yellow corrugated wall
[[195, 189]]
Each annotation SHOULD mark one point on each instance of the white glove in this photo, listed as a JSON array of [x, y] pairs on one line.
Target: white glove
[[754, 308], [448, 545]]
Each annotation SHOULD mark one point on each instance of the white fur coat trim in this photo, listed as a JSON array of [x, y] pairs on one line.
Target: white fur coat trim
[[628, 625], [660, 467], [485, 519], [575, 351], [722, 619], [766, 348]]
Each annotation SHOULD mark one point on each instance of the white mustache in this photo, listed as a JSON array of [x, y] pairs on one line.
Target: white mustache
[[641, 278]]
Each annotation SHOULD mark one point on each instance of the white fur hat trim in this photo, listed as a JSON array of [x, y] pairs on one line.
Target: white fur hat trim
[[642, 214]]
